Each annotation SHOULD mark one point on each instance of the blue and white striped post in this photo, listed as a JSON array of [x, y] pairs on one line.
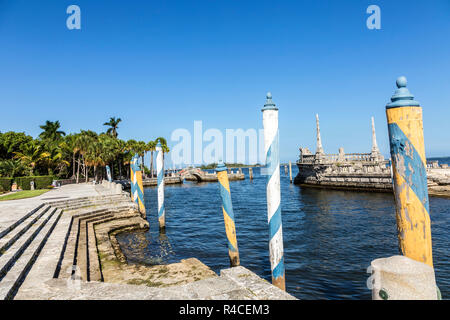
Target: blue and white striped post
[[160, 177], [108, 174], [272, 170]]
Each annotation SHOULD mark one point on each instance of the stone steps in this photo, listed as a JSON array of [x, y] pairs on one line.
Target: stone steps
[[76, 201], [81, 254], [30, 253], [7, 230], [91, 203], [20, 227], [19, 258]]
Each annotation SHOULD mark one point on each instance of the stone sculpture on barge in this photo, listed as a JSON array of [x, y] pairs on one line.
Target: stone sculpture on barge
[[351, 171]]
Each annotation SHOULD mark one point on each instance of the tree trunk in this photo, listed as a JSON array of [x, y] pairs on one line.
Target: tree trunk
[[151, 163], [78, 169], [73, 165], [142, 167], [120, 169]]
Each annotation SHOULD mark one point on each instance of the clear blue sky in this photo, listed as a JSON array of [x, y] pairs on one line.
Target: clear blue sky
[[168, 63]]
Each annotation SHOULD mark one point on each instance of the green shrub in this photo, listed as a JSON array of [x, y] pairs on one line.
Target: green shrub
[[43, 182], [40, 182], [23, 182], [5, 184]]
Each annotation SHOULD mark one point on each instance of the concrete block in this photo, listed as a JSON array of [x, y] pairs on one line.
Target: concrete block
[[260, 288], [401, 278]]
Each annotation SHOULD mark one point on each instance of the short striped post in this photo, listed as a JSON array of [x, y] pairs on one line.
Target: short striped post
[[138, 186], [272, 170], [290, 171], [132, 177], [160, 177], [108, 174], [228, 215], [404, 117]]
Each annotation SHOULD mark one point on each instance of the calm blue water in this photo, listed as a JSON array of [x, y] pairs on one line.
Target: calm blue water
[[443, 160], [330, 237]]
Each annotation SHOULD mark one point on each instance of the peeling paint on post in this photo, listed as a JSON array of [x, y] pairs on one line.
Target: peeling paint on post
[[160, 178], [228, 215], [272, 170], [138, 189], [404, 117]]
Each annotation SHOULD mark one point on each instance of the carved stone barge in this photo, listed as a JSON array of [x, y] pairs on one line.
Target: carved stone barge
[[352, 171]]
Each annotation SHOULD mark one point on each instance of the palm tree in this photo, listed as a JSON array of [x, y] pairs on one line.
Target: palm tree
[[164, 147], [161, 140], [113, 123], [51, 132], [141, 150], [121, 153], [69, 148], [109, 150], [31, 156], [10, 167], [151, 146], [84, 139], [55, 159]]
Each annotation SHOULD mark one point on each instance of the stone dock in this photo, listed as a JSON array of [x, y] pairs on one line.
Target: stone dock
[[195, 174], [191, 174], [62, 245]]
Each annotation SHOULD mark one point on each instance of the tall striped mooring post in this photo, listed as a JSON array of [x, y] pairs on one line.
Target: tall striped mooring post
[[404, 117], [228, 215], [160, 178], [132, 177], [138, 195], [272, 170]]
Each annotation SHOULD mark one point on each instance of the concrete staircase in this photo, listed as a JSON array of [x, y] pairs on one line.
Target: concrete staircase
[[56, 237]]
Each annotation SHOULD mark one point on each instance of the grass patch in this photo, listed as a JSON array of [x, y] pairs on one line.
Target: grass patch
[[23, 194], [146, 282], [163, 270]]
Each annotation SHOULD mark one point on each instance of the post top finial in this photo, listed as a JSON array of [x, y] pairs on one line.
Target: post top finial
[[402, 97], [401, 82], [269, 105], [221, 166]]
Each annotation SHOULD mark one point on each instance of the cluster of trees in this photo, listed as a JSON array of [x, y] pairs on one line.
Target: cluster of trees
[[229, 165], [79, 156]]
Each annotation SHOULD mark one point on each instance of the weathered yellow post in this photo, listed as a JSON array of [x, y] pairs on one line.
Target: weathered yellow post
[[404, 117], [228, 215], [250, 173]]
